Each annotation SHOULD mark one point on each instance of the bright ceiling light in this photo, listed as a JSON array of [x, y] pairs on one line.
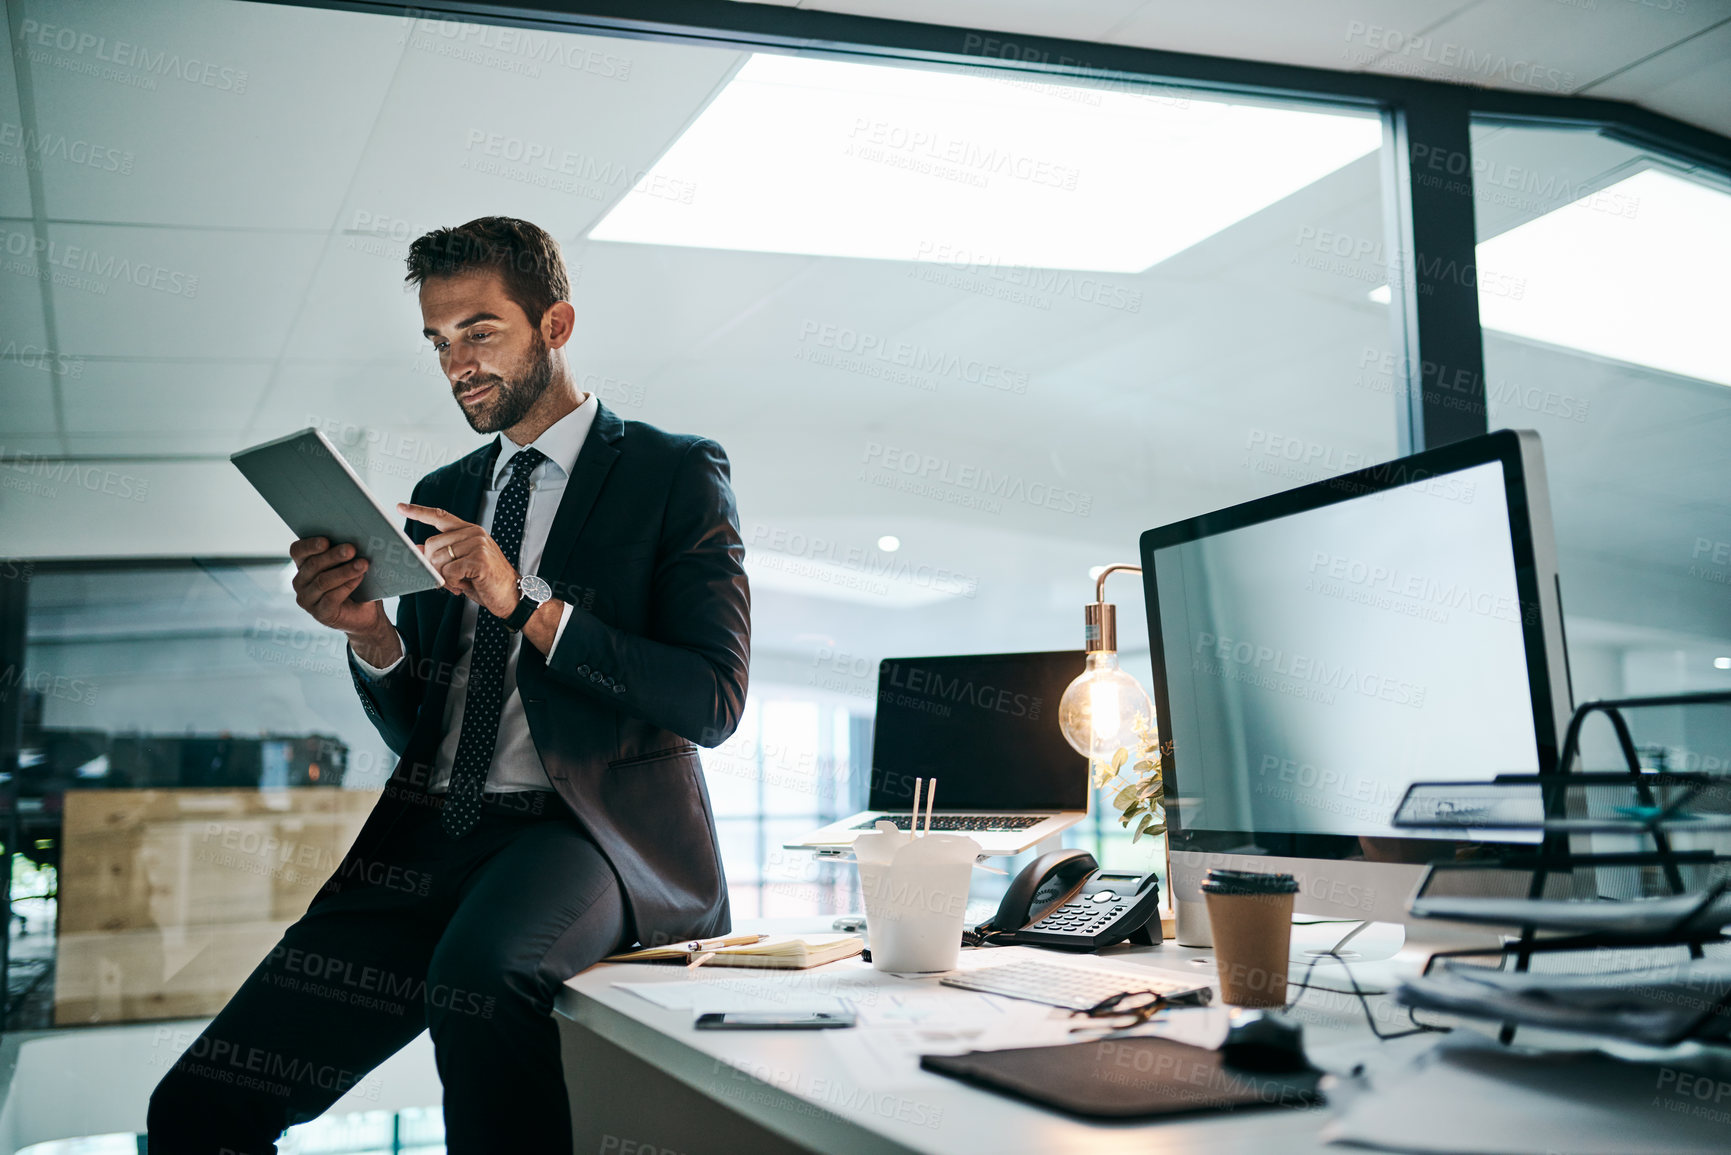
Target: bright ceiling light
[[1634, 272], [1722, 663], [889, 543], [1381, 295], [823, 157]]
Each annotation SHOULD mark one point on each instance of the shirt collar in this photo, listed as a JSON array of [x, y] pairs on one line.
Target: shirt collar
[[560, 441]]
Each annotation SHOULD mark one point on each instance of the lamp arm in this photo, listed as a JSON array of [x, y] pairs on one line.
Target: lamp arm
[[1100, 582]]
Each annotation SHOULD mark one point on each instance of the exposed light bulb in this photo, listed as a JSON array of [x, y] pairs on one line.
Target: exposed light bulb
[[1099, 709]]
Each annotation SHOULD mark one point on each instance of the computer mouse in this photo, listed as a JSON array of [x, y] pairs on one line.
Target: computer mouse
[[1264, 1041]]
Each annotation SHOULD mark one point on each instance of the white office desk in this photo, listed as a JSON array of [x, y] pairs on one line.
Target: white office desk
[[643, 1081]]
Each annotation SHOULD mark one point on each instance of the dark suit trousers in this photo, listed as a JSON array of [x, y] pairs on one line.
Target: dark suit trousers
[[468, 938]]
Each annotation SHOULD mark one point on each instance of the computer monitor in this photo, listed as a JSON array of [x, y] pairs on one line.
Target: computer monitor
[[1316, 651]]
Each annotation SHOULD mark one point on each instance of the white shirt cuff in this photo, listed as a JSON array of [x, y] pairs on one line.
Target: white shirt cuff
[[564, 616], [375, 672]]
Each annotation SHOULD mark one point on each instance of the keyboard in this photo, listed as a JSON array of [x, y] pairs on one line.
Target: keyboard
[[981, 822], [1071, 987]]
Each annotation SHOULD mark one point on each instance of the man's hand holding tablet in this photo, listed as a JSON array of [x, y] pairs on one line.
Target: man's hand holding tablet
[[326, 575]]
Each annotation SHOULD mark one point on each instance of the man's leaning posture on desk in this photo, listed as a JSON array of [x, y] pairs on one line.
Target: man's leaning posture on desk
[[548, 806]]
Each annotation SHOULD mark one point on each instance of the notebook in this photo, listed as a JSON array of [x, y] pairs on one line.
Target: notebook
[[776, 952]]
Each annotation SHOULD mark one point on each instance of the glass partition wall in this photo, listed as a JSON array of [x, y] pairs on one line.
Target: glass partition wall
[[1603, 299], [963, 332]]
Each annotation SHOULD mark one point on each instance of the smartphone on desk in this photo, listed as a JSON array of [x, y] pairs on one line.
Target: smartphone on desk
[[773, 1020]]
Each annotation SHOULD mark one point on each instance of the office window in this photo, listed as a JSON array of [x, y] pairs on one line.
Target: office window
[[1603, 300], [964, 334]]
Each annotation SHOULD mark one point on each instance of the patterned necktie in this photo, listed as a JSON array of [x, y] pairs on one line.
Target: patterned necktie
[[480, 725]]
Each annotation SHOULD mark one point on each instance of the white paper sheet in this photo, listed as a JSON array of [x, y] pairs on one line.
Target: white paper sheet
[[1468, 1096]]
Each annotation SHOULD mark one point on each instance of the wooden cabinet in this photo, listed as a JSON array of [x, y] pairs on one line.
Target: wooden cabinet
[[169, 898]]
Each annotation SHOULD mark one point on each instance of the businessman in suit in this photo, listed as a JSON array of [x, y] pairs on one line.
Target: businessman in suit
[[548, 806]]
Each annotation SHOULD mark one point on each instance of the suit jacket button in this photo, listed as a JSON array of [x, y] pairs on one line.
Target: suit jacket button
[[618, 688], [583, 670]]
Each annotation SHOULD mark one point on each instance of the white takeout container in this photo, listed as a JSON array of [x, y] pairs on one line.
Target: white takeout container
[[916, 894]]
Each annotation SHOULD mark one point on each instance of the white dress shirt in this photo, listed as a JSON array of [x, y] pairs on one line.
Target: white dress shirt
[[516, 763]]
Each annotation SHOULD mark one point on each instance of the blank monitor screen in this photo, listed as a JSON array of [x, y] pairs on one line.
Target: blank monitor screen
[[1315, 664], [984, 725]]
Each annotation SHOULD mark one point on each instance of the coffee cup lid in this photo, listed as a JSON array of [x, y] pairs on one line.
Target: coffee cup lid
[[1227, 882]]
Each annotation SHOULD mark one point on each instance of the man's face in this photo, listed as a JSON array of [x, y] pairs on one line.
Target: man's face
[[496, 360]]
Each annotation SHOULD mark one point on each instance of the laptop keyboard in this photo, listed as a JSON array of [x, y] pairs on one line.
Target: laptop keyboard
[[981, 822]]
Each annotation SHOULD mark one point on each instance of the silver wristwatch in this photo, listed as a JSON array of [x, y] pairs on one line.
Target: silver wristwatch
[[534, 591]]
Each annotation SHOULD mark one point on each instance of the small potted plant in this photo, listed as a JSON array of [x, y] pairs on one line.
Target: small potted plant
[[1135, 771]]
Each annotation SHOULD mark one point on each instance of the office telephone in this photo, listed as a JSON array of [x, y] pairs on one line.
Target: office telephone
[[1064, 900]]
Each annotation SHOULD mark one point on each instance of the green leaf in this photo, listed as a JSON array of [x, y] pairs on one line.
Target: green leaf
[[1145, 766], [1127, 795], [1118, 759]]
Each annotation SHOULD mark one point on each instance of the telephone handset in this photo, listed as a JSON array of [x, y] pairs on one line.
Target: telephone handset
[[1063, 899]]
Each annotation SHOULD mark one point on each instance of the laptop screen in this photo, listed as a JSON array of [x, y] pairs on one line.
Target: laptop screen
[[984, 725]]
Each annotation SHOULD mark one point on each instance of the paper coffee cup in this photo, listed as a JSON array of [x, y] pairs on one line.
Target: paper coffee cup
[[1251, 917]]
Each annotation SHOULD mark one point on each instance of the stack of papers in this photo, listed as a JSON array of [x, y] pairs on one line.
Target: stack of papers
[[1658, 1006]]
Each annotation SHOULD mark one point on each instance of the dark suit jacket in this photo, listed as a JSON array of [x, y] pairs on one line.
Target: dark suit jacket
[[646, 547]]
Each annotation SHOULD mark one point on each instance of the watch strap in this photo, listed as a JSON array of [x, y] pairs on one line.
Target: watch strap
[[526, 607]]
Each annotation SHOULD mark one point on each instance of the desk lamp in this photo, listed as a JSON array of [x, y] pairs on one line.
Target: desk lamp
[[1098, 711]]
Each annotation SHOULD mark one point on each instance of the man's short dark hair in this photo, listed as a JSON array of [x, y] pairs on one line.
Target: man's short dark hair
[[524, 254]]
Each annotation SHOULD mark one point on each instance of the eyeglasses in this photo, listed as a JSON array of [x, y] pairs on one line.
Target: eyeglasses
[[1135, 1006]]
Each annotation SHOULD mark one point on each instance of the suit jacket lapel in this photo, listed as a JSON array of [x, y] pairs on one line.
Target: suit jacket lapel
[[600, 450]]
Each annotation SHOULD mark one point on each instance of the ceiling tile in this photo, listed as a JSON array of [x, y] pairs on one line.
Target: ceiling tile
[[27, 381], [554, 133], [214, 113], [146, 292], [161, 400], [1550, 49], [1691, 82], [1337, 34]]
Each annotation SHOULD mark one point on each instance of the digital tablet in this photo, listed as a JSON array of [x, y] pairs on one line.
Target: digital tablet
[[319, 494]]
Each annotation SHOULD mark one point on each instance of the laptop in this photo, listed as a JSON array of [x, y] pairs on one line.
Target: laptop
[[985, 726]]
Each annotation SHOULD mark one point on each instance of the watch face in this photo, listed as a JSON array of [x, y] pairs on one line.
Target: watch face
[[534, 588]]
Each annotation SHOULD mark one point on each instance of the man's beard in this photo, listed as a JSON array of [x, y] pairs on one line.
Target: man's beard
[[511, 400]]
